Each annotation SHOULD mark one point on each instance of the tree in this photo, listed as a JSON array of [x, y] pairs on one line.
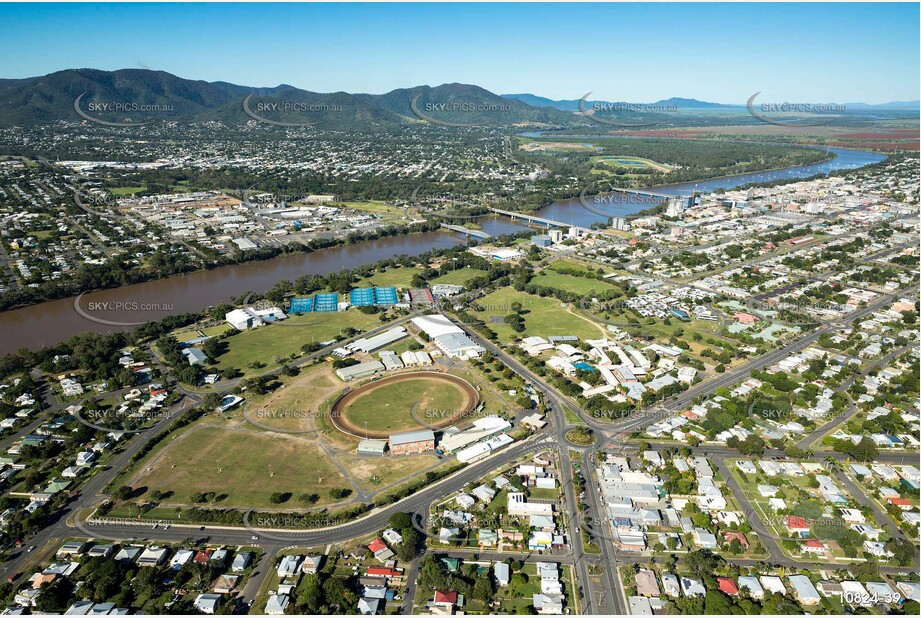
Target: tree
[[904, 552], [54, 597], [717, 604], [774, 604], [279, 497], [408, 549], [483, 587], [123, 493], [310, 594], [400, 521], [338, 594], [432, 573], [702, 562]]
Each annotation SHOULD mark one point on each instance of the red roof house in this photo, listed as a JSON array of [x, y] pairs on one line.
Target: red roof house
[[727, 586], [795, 524], [731, 535], [377, 545], [814, 546], [202, 557], [902, 503], [745, 318], [446, 598], [385, 571]]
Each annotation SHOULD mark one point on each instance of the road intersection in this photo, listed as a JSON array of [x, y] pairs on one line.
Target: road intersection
[[73, 520]]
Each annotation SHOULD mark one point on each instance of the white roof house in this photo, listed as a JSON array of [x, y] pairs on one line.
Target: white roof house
[[207, 603], [277, 604], [773, 584], [803, 590], [749, 583], [692, 587], [502, 573]]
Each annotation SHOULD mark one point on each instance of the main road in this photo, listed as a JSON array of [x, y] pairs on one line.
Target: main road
[[66, 524]]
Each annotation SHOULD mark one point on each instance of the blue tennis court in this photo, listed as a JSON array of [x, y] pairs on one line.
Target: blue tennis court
[[326, 302], [301, 305], [362, 297], [385, 296]]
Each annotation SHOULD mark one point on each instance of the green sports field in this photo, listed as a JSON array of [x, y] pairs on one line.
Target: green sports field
[[570, 283], [247, 466], [388, 408], [459, 276], [544, 316], [265, 343]]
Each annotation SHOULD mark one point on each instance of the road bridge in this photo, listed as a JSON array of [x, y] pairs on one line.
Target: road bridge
[[537, 220], [466, 230]]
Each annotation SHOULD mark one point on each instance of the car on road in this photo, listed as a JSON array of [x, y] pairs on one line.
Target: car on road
[[31, 549], [254, 538]]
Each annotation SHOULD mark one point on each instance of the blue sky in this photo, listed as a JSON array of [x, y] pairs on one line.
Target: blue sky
[[725, 53]]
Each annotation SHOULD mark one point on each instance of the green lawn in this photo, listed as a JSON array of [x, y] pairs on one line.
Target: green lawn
[[375, 473], [393, 277], [402, 345], [570, 283], [459, 277], [630, 163], [247, 466], [388, 408], [538, 493], [374, 206], [543, 316], [265, 343], [126, 190]]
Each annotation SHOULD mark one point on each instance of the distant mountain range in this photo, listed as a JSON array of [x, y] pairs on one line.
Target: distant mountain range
[[573, 104], [686, 104], [141, 95], [152, 96], [899, 105]]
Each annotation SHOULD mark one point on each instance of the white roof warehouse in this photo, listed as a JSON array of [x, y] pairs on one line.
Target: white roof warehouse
[[447, 336], [369, 344]]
